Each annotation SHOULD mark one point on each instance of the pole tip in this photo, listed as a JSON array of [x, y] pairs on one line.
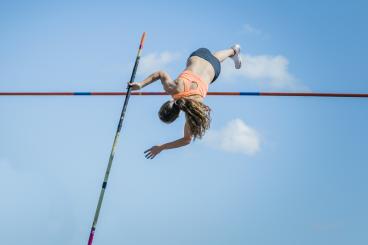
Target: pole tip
[[142, 39]]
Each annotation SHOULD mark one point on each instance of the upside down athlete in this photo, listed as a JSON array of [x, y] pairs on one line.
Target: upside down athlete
[[188, 92]]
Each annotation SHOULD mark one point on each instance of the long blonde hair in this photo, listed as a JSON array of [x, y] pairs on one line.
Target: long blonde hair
[[198, 114]]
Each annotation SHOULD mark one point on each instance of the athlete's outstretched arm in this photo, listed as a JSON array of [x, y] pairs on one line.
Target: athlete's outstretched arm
[[165, 78], [185, 140]]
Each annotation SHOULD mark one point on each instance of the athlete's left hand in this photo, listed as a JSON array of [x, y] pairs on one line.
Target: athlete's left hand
[[153, 151], [135, 86]]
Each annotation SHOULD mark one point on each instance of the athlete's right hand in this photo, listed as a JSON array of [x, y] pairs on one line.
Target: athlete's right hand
[[135, 86]]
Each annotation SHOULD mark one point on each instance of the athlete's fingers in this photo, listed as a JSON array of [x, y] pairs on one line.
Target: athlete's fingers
[[147, 150]]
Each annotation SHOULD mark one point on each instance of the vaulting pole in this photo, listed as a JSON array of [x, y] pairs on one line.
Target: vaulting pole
[[116, 139]]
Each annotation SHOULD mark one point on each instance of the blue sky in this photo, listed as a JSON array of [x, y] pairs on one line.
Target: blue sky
[[269, 171]]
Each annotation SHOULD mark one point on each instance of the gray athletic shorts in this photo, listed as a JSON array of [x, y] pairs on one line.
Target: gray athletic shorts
[[207, 55]]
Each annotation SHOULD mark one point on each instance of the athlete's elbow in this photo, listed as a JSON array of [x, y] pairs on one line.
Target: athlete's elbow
[[187, 140], [162, 73]]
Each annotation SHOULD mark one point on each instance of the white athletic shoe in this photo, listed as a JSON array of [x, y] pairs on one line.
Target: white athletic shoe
[[236, 57]]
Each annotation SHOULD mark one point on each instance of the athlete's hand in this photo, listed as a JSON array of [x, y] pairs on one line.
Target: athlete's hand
[[135, 86], [153, 151]]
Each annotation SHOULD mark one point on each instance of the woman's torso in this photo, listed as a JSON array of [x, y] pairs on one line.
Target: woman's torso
[[200, 68]]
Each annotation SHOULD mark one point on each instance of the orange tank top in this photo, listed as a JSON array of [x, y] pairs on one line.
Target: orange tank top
[[189, 77]]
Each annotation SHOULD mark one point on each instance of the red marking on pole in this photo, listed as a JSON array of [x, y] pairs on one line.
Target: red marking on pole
[[91, 235], [142, 40]]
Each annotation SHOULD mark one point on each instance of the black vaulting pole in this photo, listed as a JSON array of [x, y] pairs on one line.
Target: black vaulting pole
[[116, 139]]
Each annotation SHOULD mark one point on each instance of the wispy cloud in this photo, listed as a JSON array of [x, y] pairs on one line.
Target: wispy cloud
[[249, 29], [235, 137], [270, 72], [157, 61]]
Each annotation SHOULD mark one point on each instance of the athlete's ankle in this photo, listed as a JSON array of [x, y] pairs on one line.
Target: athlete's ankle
[[234, 52]]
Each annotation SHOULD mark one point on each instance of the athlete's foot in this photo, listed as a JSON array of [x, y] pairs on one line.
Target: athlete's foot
[[236, 57]]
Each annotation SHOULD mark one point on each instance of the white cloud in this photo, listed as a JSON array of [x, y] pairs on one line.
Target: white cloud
[[235, 137], [247, 28], [270, 72], [157, 61]]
